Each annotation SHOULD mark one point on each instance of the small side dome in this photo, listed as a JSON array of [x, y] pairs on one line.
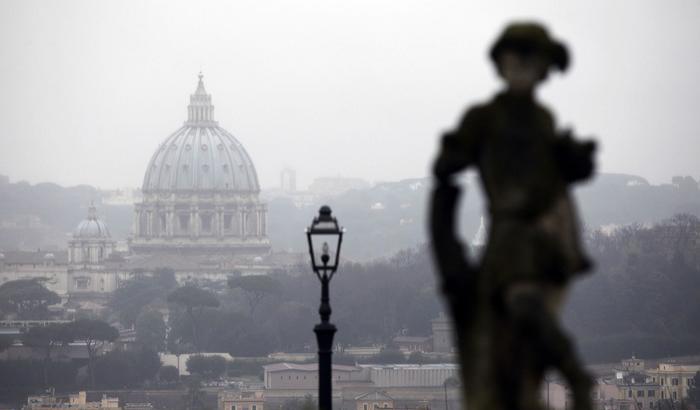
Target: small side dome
[[91, 227]]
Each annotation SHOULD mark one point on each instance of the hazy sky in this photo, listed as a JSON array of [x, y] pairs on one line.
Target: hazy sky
[[351, 88]]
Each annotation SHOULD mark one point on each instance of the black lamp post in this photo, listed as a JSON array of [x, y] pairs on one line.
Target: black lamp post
[[324, 261]]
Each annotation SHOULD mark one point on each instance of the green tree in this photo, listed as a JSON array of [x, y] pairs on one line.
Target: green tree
[[120, 369], [193, 299], [255, 287], [389, 356], [142, 290], [194, 399], [147, 363], [95, 334], [297, 404], [168, 374], [207, 367], [44, 339], [309, 403], [27, 298], [5, 343], [151, 330], [417, 358]]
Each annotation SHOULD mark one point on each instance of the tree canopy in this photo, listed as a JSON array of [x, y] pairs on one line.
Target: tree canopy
[[255, 287], [95, 333], [151, 330], [191, 297], [27, 298], [208, 367], [135, 294]]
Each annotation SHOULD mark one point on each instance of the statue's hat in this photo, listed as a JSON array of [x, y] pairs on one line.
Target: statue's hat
[[529, 38]]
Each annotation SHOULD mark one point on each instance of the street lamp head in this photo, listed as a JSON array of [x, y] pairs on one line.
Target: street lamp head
[[325, 237]]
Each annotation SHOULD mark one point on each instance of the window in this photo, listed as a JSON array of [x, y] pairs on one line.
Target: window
[[629, 393], [651, 393], [206, 223], [640, 393], [364, 406], [255, 407], [674, 381], [233, 407], [675, 396], [662, 381], [651, 404], [184, 222], [82, 282], [227, 221]]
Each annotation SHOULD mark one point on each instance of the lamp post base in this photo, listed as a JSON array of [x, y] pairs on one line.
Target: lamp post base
[[324, 337]]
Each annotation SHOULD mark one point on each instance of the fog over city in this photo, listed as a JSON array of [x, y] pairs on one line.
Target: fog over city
[[358, 89], [181, 180]]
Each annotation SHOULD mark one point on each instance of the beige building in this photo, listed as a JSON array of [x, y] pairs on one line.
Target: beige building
[[74, 401], [626, 394], [412, 344], [374, 400], [81, 270], [292, 376], [674, 379], [244, 400], [304, 377], [409, 375], [50, 267]]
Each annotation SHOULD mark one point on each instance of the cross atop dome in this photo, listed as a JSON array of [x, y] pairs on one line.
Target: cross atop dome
[[200, 112], [200, 86], [92, 211]]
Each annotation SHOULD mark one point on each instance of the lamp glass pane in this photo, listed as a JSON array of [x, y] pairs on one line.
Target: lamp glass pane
[[325, 244]]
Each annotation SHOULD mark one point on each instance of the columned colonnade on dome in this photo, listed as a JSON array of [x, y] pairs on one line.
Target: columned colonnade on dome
[[203, 219]]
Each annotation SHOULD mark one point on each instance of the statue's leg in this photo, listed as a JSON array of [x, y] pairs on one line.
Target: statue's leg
[[527, 306]]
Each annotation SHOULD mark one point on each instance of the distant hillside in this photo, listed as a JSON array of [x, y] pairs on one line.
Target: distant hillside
[[391, 216], [43, 215], [380, 220]]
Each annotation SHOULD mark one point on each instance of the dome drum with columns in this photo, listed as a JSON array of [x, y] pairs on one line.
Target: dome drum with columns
[[91, 243], [201, 191]]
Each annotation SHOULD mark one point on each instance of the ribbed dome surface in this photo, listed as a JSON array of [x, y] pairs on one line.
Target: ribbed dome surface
[[201, 156], [91, 227], [197, 158]]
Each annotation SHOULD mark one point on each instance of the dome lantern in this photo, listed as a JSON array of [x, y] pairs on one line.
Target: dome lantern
[[200, 112]]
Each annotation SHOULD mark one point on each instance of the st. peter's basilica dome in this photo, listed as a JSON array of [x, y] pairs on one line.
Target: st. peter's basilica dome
[[200, 192], [201, 156]]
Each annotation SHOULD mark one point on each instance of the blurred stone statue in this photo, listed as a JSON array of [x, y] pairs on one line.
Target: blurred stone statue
[[506, 310]]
